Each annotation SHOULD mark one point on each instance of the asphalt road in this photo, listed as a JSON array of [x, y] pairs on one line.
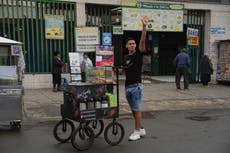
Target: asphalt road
[[191, 131]]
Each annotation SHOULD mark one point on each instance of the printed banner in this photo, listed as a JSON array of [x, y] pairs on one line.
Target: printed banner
[[162, 17], [192, 37], [87, 38], [54, 27], [104, 56]]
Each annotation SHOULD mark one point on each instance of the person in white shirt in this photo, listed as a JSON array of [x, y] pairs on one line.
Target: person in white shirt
[[85, 65]]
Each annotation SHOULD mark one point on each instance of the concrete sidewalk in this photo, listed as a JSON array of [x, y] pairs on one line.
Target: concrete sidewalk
[[43, 104]]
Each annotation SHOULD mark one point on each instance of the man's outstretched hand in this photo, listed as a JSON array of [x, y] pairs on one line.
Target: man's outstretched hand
[[145, 20]]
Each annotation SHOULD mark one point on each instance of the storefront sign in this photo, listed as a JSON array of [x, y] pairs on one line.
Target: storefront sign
[[54, 27], [216, 31], [117, 30], [104, 56], [162, 17], [107, 39], [192, 37], [87, 38], [128, 2]]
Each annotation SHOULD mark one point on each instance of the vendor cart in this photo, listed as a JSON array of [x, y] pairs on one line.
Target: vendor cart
[[11, 89], [89, 104]]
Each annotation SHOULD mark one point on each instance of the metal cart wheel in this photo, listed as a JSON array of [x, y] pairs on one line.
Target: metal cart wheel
[[63, 130], [97, 126], [82, 138], [114, 133]]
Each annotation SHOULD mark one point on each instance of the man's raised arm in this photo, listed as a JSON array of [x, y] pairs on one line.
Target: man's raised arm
[[143, 34]]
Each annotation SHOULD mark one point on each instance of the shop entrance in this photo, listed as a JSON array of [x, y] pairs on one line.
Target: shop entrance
[[169, 42], [159, 62]]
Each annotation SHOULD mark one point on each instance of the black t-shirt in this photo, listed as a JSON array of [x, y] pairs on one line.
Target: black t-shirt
[[133, 70]]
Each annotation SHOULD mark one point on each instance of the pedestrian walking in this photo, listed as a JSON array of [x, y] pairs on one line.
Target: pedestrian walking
[[56, 71], [133, 87], [182, 63], [206, 70], [85, 65]]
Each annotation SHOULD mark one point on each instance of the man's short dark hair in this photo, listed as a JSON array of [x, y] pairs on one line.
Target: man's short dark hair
[[128, 39], [56, 53], [85, 54]]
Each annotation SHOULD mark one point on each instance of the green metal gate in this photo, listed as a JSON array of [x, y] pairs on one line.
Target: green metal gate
[[196, 19], [102, 17], [23, 20]]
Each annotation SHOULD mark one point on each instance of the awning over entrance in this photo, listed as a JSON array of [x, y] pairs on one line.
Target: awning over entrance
[[5, 41]]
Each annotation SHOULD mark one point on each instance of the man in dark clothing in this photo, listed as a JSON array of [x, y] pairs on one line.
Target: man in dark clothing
[[133, 86], [182, 63], [206, 70], [56, 71]]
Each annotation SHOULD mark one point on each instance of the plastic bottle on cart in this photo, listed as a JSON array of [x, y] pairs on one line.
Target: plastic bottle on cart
[[98, 103], [83, 104], [105, 102], [90, 103]]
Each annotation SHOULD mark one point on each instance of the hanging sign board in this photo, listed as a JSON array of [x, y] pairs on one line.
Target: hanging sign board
[[54, 27], [162, 17], [192, 37], [87, 38]]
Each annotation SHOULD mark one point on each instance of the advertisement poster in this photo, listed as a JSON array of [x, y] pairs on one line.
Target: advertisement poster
[[54, 27], [107, 39], [223, 66], [162, 17], [87, 38], [104, 56], [75, 70], [192, 37]]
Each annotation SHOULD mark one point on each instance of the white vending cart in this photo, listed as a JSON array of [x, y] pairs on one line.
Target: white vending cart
[[11, 90]]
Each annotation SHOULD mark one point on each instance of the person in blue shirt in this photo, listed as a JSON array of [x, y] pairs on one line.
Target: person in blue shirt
[[182, 63]]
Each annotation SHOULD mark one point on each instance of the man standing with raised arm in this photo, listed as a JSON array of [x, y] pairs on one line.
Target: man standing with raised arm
[[133, 87]]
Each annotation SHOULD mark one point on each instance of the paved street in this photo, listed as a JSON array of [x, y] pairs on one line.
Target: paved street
[[167, 132], [43, 104]]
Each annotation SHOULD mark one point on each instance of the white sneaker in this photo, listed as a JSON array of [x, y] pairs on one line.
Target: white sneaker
[[135, 135], [142, 132]]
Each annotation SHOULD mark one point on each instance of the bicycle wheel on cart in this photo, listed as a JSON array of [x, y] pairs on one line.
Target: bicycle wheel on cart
[[82, 138], [63, 130], [114, 133], [97, 126]]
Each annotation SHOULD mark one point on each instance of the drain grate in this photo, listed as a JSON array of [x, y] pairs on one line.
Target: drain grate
[[199, 118]]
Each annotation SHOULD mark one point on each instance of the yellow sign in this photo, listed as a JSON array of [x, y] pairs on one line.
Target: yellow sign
[[128, 2], [54, 27], [193, 40]]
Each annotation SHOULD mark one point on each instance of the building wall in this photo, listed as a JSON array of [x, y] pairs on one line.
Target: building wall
[[217, 16]]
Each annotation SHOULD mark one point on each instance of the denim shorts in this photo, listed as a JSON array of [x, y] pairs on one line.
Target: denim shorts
[[134, 96]]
